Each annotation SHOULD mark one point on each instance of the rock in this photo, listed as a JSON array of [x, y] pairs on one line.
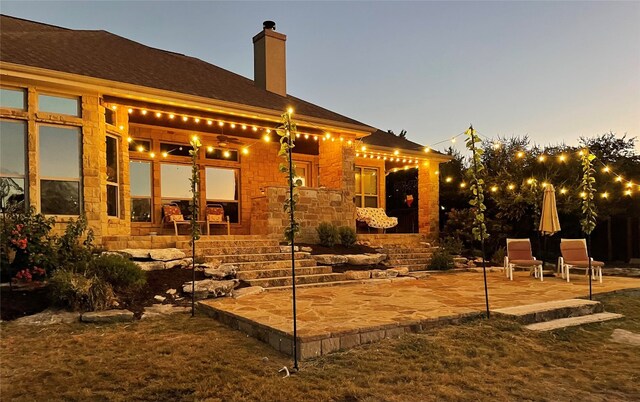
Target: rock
[[623, 336], [461, 260], [287, 249], [402, 271], [306, 249], [355, 275], [425, 244], [211, 288], [251, 290], [159, 298], [223, 271], [183, 263], [120, 253], [364, 243], [158, 310], [150, 265], [171, 292], [166, 254], [379, 274], [459, 265], [49, 316], [391, 273], [330, 259], [418, 275], [137, 253], [470, 264], [107, 316], [365, 259], [478, 260]]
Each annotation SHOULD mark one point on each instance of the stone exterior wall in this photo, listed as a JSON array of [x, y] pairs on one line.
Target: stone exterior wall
[[315, 205], [428, 197]]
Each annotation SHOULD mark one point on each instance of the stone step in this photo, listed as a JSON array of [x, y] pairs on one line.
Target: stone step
[[573, 321], [403, 250], [311, 285], [262, 265], [281, 272], [300, 280], [234, 250], [255, 257], [407, 255], [406, 261], [203, 243], [553, 310]]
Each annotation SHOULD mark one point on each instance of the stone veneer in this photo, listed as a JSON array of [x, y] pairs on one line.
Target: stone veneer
[[315, 205], [428, 200]]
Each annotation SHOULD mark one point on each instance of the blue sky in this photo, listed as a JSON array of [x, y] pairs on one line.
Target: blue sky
[[552, 70]]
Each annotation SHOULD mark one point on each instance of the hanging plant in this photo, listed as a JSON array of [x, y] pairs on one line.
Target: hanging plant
[[590, 214], [287, 132], [194, 206], [477, 173]]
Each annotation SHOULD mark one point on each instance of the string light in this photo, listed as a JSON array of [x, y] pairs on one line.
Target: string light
[[129, 110], [606, 169], [226, 154], [171, 116], [140, 148], [604, 195], [165, 154], [158, 114], [209, 122], [520, 154], [511, 186], [209, 149], [542, 158], [628, 192], [245, 151], [562, 157], [463, 185], [530, 181], [152, 154], [448, 179], [494, 189], [563, 190], [129, 139], [185, 118]]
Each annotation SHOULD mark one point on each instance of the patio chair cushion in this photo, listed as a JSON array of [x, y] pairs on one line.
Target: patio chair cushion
[[574, 251], [171, 211], [175, 218], [215, 213], [584, 264], [527, 263], [214, 218], [519, 250], [376, 218]]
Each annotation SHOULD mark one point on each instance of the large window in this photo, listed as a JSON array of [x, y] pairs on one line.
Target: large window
[[59, 105], [222, 188], [12, 163], [59, 152], [175, 186], [13, 98], [366, 187], [140, 177], [113, 173]]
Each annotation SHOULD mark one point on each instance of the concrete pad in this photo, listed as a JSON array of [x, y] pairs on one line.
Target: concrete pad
[[628, 337], [573, 321]]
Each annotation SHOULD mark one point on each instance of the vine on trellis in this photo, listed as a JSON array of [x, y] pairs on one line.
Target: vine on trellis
[[588, 222], [477, 170], [287, 132], [194, 205]]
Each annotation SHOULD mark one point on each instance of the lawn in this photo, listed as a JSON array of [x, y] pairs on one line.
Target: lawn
[[183, 358]]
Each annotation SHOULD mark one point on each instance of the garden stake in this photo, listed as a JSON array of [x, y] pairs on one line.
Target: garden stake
[[479, 205], [293, 255], [195, 226], [588, 223]]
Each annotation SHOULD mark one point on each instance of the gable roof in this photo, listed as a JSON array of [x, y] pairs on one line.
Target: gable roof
[[386, 139], [101, 54]]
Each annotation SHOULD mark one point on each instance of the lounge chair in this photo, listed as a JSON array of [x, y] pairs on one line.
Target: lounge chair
[[574, 255], [519, 254], [216, 216], [376, 218]]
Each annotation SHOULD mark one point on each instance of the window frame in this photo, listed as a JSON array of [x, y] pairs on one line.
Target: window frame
[[115, 184], [77, 98], [150, 197], [360, 191], [25, 98], [236, 172], [25, 175], [79, 180]]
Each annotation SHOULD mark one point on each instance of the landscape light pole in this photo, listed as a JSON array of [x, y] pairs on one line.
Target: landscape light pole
[[476, 188], [293, 254], [195, 226], [588, 223]]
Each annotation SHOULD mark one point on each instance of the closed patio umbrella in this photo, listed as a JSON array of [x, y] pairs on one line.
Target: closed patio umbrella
[[549, 222]]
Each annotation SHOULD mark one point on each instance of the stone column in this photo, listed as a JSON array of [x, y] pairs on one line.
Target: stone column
[[94, 164], [428, 200], [336, 160]]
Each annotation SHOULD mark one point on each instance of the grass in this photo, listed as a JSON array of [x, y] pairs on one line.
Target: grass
[[182, 358]]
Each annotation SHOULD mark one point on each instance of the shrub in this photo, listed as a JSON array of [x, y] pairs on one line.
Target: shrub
[[441, 260], [121, 273], [328, 234], [453, 245], [347, 235], [80, 293], [498, 256]]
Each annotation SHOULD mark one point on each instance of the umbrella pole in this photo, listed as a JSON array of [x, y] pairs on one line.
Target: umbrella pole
[[590, 269]]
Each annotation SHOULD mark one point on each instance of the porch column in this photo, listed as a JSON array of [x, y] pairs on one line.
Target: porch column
[[336, 160], [428, 200]]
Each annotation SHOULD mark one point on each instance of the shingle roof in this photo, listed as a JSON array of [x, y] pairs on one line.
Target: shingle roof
[[101, 54], [386, 139]]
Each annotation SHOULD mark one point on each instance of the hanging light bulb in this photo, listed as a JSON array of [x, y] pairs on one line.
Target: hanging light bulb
[[511, 186], [209, 149], [604, 195], [520, 154], [129, 139], [171, 116], [140, 148], [245, 151], [448, 179], [563, 190], [542, 158], [306, 136], [226, 154], [244, 126], [209, 122], [158, 114], [130, 110], [221, 123], [165, 154], [144, 112], [185, 118], [152, 154], [562, 157], [619, 179], [463, 185], [254, 128], [266, 138]]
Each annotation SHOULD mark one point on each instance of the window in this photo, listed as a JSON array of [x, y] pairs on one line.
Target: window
[[13, 98], [175, 186], [12, 163], [175, 149], [222, 154], [222, 188], [302, 173], [139, 145], [60, 105], [366, 187], [113, 173], [140, 179], [59, 152], [109, 116]]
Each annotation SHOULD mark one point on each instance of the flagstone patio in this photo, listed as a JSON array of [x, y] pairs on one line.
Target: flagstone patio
[[334, 318]]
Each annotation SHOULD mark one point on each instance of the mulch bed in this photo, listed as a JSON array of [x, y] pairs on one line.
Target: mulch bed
[[338, 249], [19, 303]]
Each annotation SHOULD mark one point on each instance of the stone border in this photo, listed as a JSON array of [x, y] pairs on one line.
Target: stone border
[[321, 344]]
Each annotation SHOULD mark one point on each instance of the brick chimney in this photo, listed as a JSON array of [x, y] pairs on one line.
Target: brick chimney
[[269, 59]]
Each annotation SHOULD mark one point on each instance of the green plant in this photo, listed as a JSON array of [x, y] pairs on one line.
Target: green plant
[[121, 273], [287, 132], [347, 236], [498, 256], [328, 234], [441, 260], [194, 180], [477, 173], [80, 293], [452, 245], [588, 222]]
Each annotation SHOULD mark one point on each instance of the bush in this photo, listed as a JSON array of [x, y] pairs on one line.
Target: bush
[[347, 235], [328, 234], [80, 293], [452, 245], [498, 256], [121, 273], [441, 260]]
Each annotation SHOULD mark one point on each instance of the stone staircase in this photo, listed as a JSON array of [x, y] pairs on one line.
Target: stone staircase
[[263, 262], [402, 250], [557, 314]]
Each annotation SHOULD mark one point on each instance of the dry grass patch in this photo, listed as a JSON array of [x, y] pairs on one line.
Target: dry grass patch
[[183, 358]]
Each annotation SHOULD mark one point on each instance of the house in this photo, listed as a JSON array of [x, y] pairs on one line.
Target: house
[[95, 123]]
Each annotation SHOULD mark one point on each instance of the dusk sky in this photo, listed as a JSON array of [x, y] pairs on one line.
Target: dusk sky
[[552, 70]]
